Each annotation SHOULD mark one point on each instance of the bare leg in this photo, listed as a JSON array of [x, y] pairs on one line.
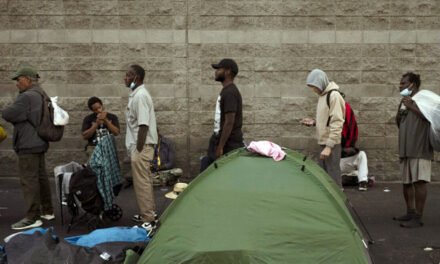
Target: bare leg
[[421, 191], [409, 195]]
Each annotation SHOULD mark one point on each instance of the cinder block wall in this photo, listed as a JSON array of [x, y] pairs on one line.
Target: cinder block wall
[[83, 47]]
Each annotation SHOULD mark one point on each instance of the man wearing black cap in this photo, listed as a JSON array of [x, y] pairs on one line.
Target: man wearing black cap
[[25, 114], [228, 117]]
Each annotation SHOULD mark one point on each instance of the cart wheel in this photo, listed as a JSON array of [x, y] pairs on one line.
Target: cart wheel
[[115, 213]]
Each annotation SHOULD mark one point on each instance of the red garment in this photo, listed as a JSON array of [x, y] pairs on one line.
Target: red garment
[[349, 134]]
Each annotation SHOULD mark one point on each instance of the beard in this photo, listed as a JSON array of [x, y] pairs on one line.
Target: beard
[[220, 78]]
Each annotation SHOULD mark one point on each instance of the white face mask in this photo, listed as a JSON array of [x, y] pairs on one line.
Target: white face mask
[[406, 92], [133, 84]]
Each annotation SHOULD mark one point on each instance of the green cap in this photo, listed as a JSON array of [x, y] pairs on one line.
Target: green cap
[[25, 71]]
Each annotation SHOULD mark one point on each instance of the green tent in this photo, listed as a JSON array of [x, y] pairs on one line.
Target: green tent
[[247, 208]]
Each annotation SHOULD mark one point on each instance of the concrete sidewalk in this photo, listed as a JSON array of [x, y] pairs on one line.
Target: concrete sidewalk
[[375, 208]]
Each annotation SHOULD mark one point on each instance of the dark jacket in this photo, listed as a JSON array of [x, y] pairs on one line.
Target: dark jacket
[[25, 115]]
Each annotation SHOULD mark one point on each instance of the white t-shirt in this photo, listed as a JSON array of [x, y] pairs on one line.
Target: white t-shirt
[[217, 116], [140, 111]]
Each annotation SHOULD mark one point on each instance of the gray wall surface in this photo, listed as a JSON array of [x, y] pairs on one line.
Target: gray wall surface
[[82, 48]]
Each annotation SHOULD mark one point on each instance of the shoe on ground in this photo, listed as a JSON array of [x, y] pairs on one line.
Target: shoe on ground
[[413, 223], [26, 223], [150, 227], [48, 216], [137, 218], [410, 214], [363, 186]]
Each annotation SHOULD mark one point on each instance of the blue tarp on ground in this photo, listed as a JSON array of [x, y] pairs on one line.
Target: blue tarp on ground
[[112, 234]]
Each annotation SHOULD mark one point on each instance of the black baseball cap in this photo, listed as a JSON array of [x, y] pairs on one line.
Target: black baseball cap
[[227, 64]]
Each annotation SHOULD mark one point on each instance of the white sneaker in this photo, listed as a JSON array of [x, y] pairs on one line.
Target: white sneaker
[[26, 224], [48, 216], [137, 217], [149, 227]]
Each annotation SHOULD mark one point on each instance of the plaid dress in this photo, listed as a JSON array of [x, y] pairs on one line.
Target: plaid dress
[[105, 164]]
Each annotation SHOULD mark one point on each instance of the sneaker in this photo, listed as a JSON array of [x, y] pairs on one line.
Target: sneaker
[[137, 218], [48, 216], [416, 221], [149, 226], [26, 223], [406, 217], [363, 186]]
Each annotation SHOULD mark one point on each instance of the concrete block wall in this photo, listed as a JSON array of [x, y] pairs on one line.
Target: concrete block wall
[[82, 48]]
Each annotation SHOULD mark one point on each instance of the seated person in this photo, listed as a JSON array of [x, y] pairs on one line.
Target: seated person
[[354, 163], [98, 124], [163, 163]]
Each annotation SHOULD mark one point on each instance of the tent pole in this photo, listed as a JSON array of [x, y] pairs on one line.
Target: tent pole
[[370, 238]]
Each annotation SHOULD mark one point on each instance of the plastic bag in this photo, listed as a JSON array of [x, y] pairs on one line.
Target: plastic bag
[[429, 104], [60, 117]]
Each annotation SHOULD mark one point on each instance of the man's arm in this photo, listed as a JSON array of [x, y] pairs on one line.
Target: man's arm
[[17, 111], [226, 132], [337, 117], [142, 137], [412, 106], [113, 128], [398, 116], [88, 133]]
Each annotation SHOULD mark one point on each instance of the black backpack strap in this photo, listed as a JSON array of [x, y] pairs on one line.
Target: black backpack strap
[[328, 97], [328, 101]]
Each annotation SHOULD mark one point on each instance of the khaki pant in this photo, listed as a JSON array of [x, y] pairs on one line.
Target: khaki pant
[[143, 182], [35, 185]]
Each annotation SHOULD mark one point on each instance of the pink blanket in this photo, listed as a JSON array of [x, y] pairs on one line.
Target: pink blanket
[[268, 149]]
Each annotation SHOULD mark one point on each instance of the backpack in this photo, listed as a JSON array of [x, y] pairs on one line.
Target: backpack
[[350, 132], [47, 130]]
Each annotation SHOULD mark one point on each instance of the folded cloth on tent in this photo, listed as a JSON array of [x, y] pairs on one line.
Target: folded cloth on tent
[[112, 234], [105, 164], [268, 149]]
